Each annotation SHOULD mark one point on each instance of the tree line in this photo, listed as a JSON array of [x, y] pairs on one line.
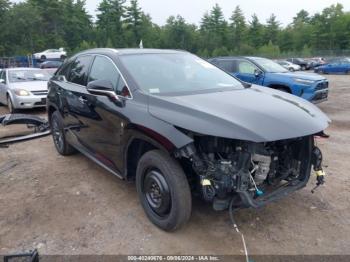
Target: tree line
[[35, 25]]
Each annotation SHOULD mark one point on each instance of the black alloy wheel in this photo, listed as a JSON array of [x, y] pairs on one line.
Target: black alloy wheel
[[58, 135]]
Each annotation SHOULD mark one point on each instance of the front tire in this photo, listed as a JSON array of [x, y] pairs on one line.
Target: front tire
[[58, 135], [10, 106], [291, 69], [163, 190]]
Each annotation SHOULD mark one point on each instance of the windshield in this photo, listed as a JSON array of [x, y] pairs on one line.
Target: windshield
[[177, 72], [28, 75], [269, 66]]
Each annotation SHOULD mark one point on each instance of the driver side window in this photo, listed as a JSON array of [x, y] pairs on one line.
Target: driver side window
[[104, 69], [245, 67]]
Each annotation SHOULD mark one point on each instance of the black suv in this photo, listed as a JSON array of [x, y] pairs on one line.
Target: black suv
[[180, 126]]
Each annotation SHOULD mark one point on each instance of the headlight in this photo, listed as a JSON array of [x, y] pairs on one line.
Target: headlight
[[22, 92], [304, 81]]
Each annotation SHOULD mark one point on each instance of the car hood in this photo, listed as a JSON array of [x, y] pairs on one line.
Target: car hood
[[307, 76], [30, 85], [257, 114]]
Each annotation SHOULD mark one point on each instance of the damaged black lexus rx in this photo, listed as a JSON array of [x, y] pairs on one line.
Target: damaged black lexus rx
[[181, 127]]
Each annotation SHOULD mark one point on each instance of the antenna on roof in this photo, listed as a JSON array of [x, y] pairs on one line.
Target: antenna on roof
[[141, 44]]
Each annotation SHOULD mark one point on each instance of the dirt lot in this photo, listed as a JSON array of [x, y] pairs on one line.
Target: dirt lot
[[69, 205]]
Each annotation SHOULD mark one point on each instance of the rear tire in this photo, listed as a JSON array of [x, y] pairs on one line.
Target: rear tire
[[291, 69], [58, 135], [163, 190], [303, 68]]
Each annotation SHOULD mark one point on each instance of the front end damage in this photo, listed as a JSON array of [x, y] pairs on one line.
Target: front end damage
[[247, 174]]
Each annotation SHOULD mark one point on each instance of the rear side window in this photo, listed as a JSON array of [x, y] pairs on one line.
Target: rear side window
[[227, 65], [79, 70], [104, 69]]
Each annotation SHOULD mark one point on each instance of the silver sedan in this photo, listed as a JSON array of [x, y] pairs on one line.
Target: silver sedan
[[23, 88]]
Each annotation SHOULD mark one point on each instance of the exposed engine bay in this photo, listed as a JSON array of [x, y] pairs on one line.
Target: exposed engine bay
[[251, 173]]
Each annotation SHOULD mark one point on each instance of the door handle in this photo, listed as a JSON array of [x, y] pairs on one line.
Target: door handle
[[82, 100]]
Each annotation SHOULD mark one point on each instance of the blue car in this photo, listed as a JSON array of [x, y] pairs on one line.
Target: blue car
[[335, 66], [265, 72]]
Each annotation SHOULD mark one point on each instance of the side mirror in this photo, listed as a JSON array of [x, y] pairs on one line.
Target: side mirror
[[102, 88], [257, 73], [61, 78]]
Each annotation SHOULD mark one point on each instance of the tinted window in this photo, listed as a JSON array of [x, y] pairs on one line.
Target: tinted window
[[79, 70], [104, 69], [227, 65]]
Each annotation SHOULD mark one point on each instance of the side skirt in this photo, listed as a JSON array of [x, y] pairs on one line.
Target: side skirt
[[78, 146]]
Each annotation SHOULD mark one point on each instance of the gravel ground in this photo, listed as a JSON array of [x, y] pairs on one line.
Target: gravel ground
[[69, 205]]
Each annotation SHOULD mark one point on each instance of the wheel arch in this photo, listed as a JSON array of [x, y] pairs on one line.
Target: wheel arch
[[136, 147], [50, 110], [10, 95], [281, 86]]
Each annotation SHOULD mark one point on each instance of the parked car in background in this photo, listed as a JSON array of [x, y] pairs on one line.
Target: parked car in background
[[334, 66], [51, 54], [315, 62], [288, 65], [180, 126], [50, 64], [304, 65], [265, 72], [23, 88]]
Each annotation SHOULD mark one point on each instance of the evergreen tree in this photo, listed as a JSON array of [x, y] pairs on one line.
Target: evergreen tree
[[255, 32], [30, 26], [271, 30], [214, 29], [133, 19], [110, 22], [239, 28], [178, 34]]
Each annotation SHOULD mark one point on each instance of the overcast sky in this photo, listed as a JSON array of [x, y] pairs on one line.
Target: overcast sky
[[193, 10]]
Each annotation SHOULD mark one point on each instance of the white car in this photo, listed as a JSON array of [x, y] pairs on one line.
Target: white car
[[51, 54], [23, 88], [290, 66]]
